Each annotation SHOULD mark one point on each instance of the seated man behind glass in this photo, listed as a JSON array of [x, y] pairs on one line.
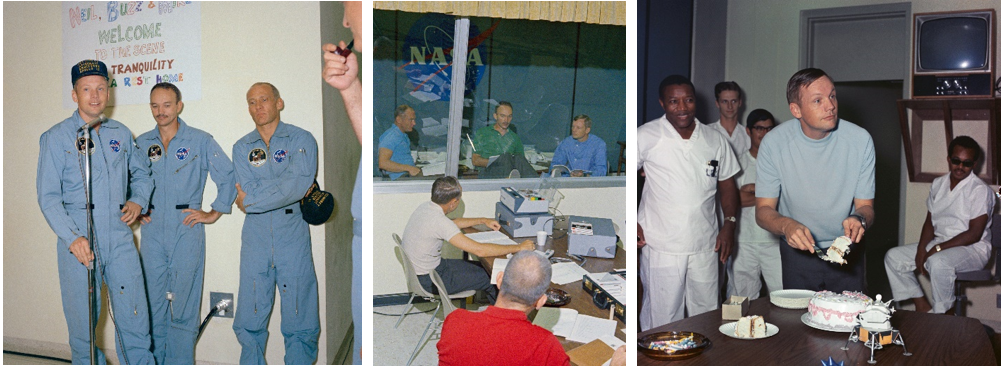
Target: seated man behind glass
[[583, 153], [428, 228], [501, 142], [394, 155]]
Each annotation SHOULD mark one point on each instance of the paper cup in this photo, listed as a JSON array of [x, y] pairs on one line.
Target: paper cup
[[542, 237]]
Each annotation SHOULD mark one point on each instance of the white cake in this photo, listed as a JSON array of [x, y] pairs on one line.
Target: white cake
[[837, 311], [750, 327], [839, 248]]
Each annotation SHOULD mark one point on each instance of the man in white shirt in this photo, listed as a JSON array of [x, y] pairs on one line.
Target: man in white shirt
[[429, 227], [757, 254], [729, 101], [954, 237], [686, 165]]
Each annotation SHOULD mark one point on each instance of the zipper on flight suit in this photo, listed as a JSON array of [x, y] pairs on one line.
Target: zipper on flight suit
[[186, 164]]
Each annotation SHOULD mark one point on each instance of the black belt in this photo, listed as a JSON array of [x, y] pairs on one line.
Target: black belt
[[289, 211], [177, 207], [121, 206]]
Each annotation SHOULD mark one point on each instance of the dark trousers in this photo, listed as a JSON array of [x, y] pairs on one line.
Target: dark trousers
[[804, 270], [461, 275]]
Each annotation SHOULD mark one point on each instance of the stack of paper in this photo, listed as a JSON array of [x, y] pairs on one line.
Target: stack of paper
[[495, 237], [566, 273], [573, 326]]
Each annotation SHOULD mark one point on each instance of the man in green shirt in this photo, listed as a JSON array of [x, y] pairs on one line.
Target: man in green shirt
[[496, 139]]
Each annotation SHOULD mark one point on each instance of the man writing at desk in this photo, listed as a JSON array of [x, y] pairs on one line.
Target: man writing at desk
[[583, 153], [429, 227], [395, 153], [501, 142], [501, 335]]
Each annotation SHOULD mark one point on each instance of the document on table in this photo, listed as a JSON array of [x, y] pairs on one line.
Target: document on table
[[560, 321], [498, 266], [566, 273], [589, 328], [495, 237]]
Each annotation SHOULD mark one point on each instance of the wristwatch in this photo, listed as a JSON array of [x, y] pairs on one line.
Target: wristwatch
[[730, 219], [938, 248], [860, 218]]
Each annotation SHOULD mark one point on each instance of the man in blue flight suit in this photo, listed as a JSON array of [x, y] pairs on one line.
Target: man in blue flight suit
[[116, 168], [173, 237], [275, 165]]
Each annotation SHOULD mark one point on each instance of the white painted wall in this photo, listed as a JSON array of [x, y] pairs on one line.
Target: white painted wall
[[242, 43], [391, 213], [762, 52]]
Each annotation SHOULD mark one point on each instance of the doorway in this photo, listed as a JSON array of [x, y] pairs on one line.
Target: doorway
[[873, 106]]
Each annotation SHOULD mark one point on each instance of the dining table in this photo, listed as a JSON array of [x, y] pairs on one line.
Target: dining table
[[930, 339]]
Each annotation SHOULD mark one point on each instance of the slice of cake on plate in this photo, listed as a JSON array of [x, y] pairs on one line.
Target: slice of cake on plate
[[751, 327]]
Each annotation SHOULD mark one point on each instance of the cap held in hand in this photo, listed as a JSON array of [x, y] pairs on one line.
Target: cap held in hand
[[317, 205]]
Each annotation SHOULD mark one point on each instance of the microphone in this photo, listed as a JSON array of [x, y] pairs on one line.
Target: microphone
[[97, 121]]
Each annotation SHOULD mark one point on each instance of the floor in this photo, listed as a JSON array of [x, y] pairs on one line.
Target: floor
[[393, 346], [25, 359]]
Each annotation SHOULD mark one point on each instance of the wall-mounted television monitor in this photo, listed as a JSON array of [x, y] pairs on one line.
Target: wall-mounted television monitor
[[954, 54]]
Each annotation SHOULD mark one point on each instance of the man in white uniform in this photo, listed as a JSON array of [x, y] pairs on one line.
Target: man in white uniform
[[728, 100], [686, 164], [757, 254], [954, 237]]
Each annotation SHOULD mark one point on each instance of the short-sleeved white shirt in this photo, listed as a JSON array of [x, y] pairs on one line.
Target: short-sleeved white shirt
[[749, 230], [739, 141], [677, 210], [424, 235], [952, 210]]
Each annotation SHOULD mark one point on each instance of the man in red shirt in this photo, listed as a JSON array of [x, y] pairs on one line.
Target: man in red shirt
[[501, 335]]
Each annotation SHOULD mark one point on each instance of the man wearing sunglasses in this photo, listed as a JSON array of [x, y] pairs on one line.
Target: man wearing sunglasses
[[954, 237], [757, 253]]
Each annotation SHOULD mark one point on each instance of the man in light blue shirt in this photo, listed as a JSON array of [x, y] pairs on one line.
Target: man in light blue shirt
[[583, 153], [394, 154], [816, 182]]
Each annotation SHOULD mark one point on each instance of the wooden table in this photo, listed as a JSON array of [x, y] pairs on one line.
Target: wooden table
[[933, 339], [581, 301]]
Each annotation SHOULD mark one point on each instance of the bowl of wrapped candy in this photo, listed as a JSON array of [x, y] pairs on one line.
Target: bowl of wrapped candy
[[673, 345]]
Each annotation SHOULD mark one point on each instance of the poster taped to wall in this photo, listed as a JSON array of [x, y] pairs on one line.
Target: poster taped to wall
[[142, 43]]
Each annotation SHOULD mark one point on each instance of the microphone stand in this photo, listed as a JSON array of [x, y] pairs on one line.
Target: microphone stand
[[92, 266]]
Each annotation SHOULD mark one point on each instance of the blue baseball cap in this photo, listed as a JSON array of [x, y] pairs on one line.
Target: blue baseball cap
[[88, 67]]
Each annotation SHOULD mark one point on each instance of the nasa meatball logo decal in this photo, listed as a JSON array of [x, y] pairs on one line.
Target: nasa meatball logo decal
[[80, 145], [279, 156], [154, 152], [257, 157], [114, 144], [182, 153]]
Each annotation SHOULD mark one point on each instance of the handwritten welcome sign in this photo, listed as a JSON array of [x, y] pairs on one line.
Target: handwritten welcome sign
[[142, 43]]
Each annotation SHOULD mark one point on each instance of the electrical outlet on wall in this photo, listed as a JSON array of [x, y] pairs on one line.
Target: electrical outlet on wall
[[216, 297]]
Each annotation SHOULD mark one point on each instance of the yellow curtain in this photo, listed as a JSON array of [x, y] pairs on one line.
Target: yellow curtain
[[596, 12]]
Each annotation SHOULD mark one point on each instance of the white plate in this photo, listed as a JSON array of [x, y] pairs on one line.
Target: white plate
[[807, 322], [729, 329], [791, 299]]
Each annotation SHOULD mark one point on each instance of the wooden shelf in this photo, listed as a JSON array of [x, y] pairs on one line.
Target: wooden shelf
[[987, 110]]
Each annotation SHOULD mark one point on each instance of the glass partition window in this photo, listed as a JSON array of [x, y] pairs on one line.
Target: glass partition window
[[548, 72]]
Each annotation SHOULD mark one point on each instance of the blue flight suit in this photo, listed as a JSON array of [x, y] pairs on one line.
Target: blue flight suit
[[174, 255], [276, 244], [116, 168]]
